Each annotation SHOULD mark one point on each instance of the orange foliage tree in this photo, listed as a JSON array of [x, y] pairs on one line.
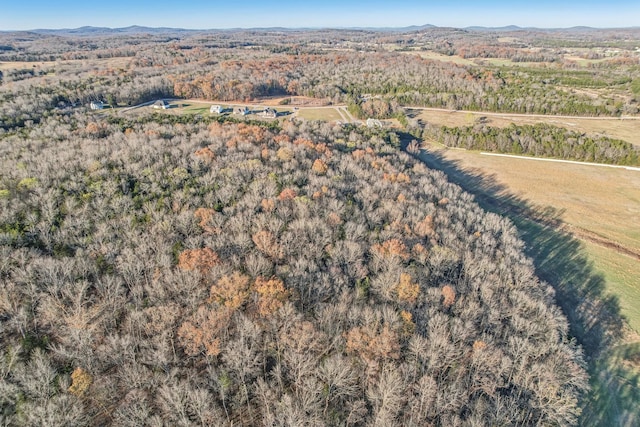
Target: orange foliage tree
[[319, 167], [268, 205], [424, 228], [198, 259], [205, 215], [287, 194], [202, 332], [271, 295], [80, 381], [373, 346], [449, 295], [391, 248], [205, 154], [230, 291], [407, 290]]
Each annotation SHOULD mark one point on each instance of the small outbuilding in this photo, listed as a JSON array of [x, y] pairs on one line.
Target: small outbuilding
[[269, 113], [243, 111], [374, 123], [217, 109], [161, 104]]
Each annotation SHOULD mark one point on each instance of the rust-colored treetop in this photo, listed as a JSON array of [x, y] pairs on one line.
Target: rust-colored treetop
[[198, 259]]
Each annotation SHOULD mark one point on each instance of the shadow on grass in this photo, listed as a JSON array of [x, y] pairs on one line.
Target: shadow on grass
[[594, 316]]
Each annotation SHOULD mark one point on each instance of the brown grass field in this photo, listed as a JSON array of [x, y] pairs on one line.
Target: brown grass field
[[435, 56], [625, 129], [600, 206], [18, 65], [328, 114], [496, 62]]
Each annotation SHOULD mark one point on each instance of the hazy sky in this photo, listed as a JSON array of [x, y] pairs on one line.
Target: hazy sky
[[20, 15]]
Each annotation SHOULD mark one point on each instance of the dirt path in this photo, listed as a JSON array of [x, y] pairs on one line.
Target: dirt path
[[573, 162], [592, 237], [351, 118], [344, 118], [507, 115]]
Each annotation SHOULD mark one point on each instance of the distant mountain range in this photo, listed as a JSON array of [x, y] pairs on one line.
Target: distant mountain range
[[137, 29], [134, 29]]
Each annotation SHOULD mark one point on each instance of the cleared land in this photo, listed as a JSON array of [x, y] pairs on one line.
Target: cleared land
[[435, 56], [328, 114], [601, 206], [621, 275], [625, 129], [497, 62], [21, 65], [188, 107], [18, 65]]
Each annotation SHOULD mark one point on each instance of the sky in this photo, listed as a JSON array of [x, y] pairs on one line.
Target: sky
[[201, 14]]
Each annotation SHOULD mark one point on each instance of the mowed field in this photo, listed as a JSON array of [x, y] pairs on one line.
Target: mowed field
[[119, 62], [18, 65], [497, 62], [625, 129], [435, 56], [600, 206], [327, 114], [622, 274]]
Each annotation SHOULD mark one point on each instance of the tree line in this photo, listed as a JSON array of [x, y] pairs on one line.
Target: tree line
[[541, 140]]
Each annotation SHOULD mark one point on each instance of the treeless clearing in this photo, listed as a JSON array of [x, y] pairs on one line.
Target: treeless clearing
[[435, 56], [277, 101], [19, 65], [627, 130], [583, 61], [602, 200], [189, 107], [506, 62], [328, 114], [621, 274], [599, 205], [499, 62]]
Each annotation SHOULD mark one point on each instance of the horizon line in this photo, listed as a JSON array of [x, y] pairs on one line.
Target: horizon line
[[328, 27]]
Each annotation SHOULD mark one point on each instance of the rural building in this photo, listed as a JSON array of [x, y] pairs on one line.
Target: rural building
[[269, 113], [97, 105], [374, 123], [243, 111], [161, 104], [216, 109]]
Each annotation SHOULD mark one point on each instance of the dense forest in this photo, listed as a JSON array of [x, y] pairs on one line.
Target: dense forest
[[230, 274], [180, 268]]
